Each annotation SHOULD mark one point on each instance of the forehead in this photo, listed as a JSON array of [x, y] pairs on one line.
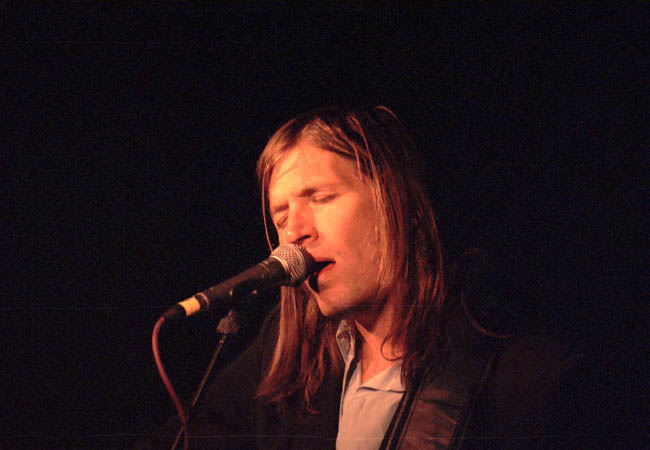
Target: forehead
[[306, 166]]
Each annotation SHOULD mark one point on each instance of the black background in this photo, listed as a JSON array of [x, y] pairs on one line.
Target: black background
[[129, 175]]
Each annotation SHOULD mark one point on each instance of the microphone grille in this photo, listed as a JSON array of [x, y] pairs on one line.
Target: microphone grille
[[297, 262]]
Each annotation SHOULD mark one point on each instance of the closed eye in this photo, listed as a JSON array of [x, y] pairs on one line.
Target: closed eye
[[281, 222], [323, 198]]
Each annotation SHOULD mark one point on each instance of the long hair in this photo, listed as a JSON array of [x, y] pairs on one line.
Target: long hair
[[411, 254]]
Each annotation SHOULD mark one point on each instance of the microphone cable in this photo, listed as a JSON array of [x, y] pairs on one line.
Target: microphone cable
[[182, 414]]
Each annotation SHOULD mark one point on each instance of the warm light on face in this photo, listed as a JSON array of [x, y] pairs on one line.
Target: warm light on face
[[317, 199]]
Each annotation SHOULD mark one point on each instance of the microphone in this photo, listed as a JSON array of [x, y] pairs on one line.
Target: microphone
[[288, 265]]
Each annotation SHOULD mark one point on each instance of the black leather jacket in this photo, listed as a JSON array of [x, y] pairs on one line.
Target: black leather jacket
[[528, 392]]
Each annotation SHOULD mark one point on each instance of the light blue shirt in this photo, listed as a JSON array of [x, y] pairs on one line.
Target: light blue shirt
[[367, 409]]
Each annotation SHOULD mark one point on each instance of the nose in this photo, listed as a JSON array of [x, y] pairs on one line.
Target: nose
[[300, 228]]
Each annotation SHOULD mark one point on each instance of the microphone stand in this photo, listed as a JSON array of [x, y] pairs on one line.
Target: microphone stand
[[227, 326]]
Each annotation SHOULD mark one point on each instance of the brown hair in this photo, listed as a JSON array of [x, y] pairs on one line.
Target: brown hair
[[411, 252]]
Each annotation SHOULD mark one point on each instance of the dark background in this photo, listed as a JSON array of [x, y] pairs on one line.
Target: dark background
[[129, 176]]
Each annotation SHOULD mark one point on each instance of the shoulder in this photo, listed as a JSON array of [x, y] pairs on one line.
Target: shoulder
[[272, 320], [262, 346], [268, 335], [542, 355], [543, 387]]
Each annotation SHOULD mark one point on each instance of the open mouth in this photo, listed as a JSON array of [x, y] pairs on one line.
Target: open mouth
[[313, 278]]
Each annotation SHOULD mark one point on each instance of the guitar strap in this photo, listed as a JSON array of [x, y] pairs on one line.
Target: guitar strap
[[435, 414]]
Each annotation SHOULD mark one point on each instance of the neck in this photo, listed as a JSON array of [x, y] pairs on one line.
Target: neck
[[375, 352]]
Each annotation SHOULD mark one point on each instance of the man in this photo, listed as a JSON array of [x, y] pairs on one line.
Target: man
[[341, 185], [374, 350]]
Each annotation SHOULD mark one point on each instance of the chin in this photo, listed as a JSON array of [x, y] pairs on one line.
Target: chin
[[326, 309], [337, 311], [329, 304]]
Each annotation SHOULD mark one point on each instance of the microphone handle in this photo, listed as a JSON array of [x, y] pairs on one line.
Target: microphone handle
[[260, 277]]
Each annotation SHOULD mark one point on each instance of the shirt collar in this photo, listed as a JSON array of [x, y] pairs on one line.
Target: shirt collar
[[345, 338], [388, 380]]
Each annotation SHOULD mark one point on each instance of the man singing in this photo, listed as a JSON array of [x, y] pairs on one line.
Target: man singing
[[374, 350]]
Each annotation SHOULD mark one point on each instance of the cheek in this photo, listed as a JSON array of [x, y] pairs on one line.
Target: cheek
[[342, 223], [367, 222], [362, 233]]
